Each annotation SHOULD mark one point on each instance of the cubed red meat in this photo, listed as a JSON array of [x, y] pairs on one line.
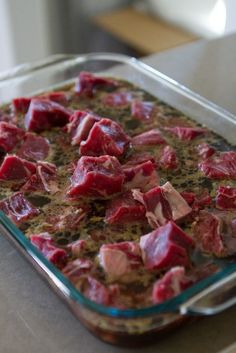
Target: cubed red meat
[[221, 166], [188, 196], [45, 244], [88, 83], [43, 179], [118, 259], [8, 118], [138, 158], [44, 114], [178, 205], [34, 147], [124, 209], [196, 202], [201, 201], [10, 136], [118, 99], [205, 151], [165, 247], [105, 137], [207, 232], [96, 291], [16, 168], [142, 110], [66, 219], [186, 133], [76, 268], [77, 247], [163, 203], [96, 176], [168, 158], [158, 210], [151, 137], [143, 176], [18, 208], [57, 96], [171, 284], [21, 104], [80, 124], [226, 198]]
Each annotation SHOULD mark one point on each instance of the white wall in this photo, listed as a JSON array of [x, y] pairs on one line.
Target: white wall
[[6, 45], [34, 29], [29, 30]]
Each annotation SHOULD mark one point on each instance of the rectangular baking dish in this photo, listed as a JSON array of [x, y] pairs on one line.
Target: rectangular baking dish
[[209, 296]]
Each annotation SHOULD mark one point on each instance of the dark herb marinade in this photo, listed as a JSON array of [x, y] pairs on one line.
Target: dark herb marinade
[[135, 288]]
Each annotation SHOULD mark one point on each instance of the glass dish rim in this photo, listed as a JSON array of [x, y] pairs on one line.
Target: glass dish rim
[[171, 305]]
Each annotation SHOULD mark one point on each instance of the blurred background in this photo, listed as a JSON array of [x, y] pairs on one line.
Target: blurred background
[[34, 29]]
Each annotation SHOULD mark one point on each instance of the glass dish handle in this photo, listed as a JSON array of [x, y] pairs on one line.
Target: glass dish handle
[[212, 300]]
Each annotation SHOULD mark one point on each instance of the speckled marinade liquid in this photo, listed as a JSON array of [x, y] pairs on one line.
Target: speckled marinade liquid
[[135, 287]]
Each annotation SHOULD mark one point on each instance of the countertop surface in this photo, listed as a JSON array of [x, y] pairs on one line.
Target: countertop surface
[[34, 320]]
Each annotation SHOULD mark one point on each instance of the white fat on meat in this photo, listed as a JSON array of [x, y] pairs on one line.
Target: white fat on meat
[[178, 205], [83, 128], [143, 181], [114, 262], [156, 218]]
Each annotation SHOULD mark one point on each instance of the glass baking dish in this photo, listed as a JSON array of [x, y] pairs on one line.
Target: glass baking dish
[[209, 296]]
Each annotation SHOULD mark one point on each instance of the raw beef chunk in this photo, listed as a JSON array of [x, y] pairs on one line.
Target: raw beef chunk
[[45, 244], [139, 158], [105, 137], [165, 247], [77, 247], [16, 168], [188, 196], [17, 208], [226, 198], [162, 203], [118, 99], [171, 284], [118, 259], [10, 136], [124, 209], [221, 166], [151, 137], [207, 232], [96, 291], [205, 151], [44, 114], [197, 202], [179, 208], [43, 179], [186, 133], [87, 83], [76, 268], [58, 97], [68, 218], [34, 147], [168, 159], [215, 232], [8, 118], [96, 176], [21, 104], [142, 110], [80, 124], [142, 176]]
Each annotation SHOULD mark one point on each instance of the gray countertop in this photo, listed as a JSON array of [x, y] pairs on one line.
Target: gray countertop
[[206, 67], [34, 320]]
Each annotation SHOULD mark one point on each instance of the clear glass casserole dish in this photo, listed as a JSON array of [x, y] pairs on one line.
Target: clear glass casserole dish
[[209, 296]]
